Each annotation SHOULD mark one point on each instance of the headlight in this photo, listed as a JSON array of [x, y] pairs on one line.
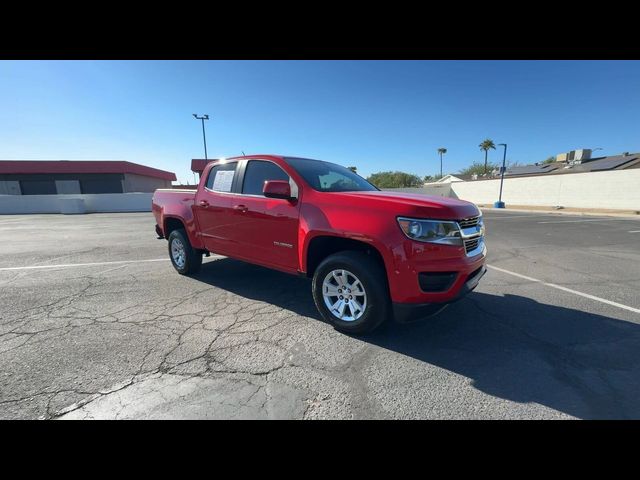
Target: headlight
[[432, 231]]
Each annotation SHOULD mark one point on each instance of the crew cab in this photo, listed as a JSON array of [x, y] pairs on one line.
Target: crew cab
[[372, 255]]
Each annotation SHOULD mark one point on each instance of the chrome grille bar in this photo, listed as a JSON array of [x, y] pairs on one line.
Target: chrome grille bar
[[469, 222], [472, 233]]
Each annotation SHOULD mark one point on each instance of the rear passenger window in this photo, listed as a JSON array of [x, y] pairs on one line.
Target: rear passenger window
[[258, 172], [221, 177]]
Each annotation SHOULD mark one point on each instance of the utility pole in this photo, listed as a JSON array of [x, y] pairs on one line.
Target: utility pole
[[204, 137], [441, 151], [500, 203]]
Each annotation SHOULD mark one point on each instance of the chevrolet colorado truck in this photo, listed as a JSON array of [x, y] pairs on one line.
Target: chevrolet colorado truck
[[372, 254]]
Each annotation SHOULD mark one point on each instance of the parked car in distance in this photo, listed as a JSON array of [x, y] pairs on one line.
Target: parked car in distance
[[371, 254]]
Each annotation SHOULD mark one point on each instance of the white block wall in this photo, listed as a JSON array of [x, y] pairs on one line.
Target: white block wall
[[438, 189], [618, 189], [90, 203]]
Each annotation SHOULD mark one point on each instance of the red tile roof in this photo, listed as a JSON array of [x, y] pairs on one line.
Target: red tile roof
[[198, 164], [81, 166]]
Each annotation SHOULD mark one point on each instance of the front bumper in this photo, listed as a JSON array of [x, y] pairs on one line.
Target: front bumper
[[409, 312], [413, 258]]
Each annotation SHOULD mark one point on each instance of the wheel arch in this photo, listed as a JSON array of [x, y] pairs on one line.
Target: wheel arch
[[321, 246], [172, 223]]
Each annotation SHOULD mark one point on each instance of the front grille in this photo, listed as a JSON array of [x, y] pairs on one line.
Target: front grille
[[469, 222], [471, 244], [472, 232]]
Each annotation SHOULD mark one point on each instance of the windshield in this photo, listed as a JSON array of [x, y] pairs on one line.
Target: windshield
[[329, 177]]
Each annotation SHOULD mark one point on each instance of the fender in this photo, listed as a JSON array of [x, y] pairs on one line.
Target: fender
[[180, 210]]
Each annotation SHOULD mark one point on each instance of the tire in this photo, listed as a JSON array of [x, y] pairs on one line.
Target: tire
[[191, 259], [357, 268]]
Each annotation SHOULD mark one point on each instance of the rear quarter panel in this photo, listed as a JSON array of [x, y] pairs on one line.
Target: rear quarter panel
[[176, 204]]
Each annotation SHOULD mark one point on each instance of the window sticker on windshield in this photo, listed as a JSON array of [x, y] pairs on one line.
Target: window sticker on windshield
[[223, 181]]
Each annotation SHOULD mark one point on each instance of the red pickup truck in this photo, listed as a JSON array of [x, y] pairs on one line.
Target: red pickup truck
[[372, 254]]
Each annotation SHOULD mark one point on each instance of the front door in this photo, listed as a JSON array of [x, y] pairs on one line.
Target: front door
[[265, 229]]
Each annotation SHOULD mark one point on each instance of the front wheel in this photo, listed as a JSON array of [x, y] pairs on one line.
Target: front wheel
[[184, 257], [350, 291]]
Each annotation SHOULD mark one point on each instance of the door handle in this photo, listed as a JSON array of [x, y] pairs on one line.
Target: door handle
[[241, 208], [204, 203]]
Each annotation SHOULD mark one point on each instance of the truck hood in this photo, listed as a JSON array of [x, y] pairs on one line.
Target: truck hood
[[414, 204]]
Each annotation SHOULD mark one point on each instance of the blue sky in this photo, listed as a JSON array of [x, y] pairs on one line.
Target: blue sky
[[376, 115]]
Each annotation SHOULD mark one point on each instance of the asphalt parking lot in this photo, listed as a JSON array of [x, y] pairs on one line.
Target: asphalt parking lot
[[95, 323]]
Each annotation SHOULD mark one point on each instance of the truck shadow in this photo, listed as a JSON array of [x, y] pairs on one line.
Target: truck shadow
[[511, 347]]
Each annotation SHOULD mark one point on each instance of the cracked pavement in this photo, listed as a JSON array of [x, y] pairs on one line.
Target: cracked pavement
[[137, 340]]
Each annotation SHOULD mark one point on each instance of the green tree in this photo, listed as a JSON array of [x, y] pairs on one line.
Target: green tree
[[487, 145], [441, 151], [434, 178], [550, 160], [478, 168], [353, 169], [395, 179]]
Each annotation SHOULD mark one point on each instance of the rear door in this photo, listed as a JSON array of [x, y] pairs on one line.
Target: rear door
[[265, 229], [212, 207]]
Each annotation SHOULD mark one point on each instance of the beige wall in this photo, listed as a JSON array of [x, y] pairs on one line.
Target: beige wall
[[10, 187], [68, 186], [139, 183]]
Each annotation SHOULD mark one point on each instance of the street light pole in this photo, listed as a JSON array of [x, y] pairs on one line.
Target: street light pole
[[500, 203], [204, 137]]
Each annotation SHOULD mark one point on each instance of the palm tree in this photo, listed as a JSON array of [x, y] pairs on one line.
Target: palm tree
[[486, 145], [441, 151]]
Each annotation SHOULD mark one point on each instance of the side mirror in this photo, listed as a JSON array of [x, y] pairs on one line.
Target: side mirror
[[277, 189]]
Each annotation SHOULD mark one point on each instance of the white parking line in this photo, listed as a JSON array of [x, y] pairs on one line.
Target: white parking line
[[580, 221], [93, 264], [634, 231], [508, 272], [565, 289], [71, 265], [503, 217]]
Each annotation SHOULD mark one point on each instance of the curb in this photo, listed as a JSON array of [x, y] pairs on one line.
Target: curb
[[560, 212]]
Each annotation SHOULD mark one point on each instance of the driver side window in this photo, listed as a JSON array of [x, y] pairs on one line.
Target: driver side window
[[259, 171]]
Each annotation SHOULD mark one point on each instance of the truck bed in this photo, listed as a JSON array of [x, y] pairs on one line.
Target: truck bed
[[168, 202], [166, 196]]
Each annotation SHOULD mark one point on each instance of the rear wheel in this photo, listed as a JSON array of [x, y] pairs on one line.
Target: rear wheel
[[184, 257], [350, 291]]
